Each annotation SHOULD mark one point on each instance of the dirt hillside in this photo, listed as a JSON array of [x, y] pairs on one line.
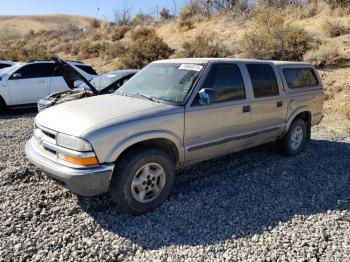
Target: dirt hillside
[[25, 23]]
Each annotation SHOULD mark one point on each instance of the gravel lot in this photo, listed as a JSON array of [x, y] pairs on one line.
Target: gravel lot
[[254, 206]]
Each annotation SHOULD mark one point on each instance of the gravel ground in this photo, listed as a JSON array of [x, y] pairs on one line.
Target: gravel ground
[[254, 206]]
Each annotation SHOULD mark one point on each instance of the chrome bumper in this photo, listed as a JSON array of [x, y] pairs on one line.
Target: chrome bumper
[[83, 181]]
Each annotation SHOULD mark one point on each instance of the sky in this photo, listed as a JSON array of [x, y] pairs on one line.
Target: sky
[[103, 9]]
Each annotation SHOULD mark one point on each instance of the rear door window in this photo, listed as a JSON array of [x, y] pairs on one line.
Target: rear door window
[[36, 70], [263, 79], [300, 77], [227, 81]]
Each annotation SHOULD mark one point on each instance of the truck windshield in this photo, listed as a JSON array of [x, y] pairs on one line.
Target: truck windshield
[[163, 81]]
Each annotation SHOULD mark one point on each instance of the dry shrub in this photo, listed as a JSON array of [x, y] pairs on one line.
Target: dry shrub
[[142, 19], [119, 32], [94, 49], [185, 26], [323, 55], [165, 14], [115, 50], [270, 37], [66, 48], [338, 3], [335, 28], [145, 50], [8, 33], [24, 53], [190, 10], [142, 32], [95, 23], [96, 36], [307, 10], [203, 45]]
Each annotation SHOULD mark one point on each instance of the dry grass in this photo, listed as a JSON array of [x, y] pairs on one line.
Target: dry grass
[[335, 28], [269, 36], [347, 111], [323, 55], [119, 32], [203, 45]]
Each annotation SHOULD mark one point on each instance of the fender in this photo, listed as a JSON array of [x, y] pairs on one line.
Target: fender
[[293, 115], [4, 92], [134, 139]]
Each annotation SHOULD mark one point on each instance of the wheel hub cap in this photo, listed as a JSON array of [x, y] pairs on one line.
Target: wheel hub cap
[[297, 137], [148, 182]]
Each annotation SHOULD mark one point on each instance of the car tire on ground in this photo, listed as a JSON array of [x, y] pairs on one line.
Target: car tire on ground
[[295, 140], [2, 105], [142, 180]]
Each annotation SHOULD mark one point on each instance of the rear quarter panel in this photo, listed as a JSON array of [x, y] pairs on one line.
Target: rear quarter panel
[[303, 98]]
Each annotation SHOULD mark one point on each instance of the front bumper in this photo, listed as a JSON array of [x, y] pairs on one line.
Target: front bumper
[[83, 181]]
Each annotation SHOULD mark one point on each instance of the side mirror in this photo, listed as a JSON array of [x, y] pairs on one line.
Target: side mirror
[[16, 75], [206, 96]]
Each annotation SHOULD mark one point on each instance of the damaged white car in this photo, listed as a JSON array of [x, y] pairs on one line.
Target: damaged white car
[[80, 87]]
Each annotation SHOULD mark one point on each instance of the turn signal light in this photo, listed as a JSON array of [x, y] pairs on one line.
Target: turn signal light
[[89, 161]]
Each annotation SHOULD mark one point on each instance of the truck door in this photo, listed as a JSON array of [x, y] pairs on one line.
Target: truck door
[[219, 127], [267, 105]]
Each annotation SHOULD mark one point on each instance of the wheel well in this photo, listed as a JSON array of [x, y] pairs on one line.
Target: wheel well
[[2, 102], [306, 116], [163, 144]]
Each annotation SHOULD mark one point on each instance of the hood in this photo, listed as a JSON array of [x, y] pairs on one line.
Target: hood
[[71, 74], [77, 117]]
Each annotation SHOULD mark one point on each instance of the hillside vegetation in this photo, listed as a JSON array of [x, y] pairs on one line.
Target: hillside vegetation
[[313, 31]]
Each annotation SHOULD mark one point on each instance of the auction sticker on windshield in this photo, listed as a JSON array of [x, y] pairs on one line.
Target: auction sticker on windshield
[[193, 67]]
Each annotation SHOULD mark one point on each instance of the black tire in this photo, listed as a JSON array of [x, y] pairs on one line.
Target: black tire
[[289, 147], [127, 168], [2, 106]]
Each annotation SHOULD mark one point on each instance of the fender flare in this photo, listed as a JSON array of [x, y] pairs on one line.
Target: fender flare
[[293, 116], [144, 136]]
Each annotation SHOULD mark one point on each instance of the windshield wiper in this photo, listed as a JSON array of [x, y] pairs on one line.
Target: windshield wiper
[[147, 97]]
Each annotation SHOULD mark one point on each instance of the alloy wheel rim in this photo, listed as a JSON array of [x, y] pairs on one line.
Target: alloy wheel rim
[[297, 137], [148, 182]]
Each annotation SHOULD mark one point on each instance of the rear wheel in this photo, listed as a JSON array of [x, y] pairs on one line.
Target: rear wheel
[[2, 105], [295, 140], [142, 181]]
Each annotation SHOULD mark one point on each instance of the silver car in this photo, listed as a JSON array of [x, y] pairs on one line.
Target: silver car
[[172, 114]]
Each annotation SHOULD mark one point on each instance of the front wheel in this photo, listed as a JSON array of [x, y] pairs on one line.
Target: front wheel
[[142, 181], [295, 139]]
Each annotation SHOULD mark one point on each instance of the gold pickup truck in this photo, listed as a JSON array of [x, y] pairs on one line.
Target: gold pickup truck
[[171, 114]]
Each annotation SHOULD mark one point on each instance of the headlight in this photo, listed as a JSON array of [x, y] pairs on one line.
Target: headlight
[[72, 142]]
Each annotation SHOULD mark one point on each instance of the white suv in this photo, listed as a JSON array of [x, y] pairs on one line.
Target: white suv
[[24, 84]]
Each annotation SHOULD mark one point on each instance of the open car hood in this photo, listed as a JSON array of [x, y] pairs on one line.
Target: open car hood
[[71, 74]]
